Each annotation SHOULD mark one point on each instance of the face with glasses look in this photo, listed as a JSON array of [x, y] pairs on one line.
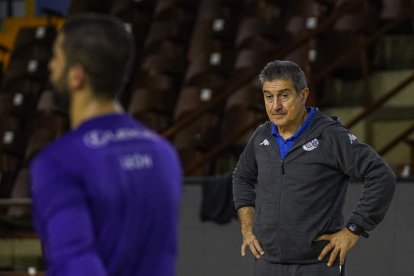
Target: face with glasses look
[[285, 107]]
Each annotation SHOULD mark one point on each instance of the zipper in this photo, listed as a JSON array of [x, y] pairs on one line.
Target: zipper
[[282, 167]]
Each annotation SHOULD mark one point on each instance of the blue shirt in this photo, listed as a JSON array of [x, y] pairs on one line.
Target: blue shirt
[[106, 198], [286, 145]]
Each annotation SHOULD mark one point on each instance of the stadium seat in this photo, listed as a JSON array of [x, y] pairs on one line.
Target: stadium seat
[[200, 135], [154, 120], [11, 136], [155, 64], [255, 34], [190, 98], [248, 61], [235, 118], [42, 35], [204, 71], [26, 67], [156, 94], [39, 138], [21, 189], [171, 49], [8, 169], [250, 95], [55, 122], [162, 30], [138, 20], [46, 103], [17, 103]]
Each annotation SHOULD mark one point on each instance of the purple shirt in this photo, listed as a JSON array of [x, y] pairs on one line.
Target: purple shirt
[[106, 198]]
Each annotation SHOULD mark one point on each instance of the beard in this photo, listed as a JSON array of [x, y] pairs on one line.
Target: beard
[[60, 91]]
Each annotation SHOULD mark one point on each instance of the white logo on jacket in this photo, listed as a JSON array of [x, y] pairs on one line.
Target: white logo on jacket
[[98, 138], [309, 146], [352, 138], [264, 143]]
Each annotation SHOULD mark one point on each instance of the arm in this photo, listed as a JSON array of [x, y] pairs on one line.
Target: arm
[[63, 221], [246, 216], [244, 195], [360, 162]]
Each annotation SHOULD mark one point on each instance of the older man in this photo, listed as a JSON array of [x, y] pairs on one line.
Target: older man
[[291, 180]]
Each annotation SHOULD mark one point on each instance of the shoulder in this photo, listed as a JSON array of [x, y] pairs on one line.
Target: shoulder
[[263, 130], [328, 125], [53, 153]]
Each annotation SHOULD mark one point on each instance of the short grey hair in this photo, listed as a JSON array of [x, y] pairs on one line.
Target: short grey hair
[[285, 70]]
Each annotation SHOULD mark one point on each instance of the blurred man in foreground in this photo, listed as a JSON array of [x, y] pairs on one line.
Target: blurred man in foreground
[[106, 194]]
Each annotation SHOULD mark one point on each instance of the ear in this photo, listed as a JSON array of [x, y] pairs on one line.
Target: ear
[[304, 94], [76, 77]]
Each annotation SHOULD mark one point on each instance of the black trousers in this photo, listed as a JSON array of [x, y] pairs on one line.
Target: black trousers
[[263, 268]]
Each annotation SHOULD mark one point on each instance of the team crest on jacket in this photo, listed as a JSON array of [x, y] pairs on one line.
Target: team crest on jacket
[[309, 146]]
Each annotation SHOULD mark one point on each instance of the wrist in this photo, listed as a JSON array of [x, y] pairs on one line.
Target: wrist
[[357, 230], [247, 232]]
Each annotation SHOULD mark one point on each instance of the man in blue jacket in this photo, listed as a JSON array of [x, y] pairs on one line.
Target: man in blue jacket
[[291, 180], [106, 194]]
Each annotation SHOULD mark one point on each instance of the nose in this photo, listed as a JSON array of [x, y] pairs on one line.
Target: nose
[[277, 104]]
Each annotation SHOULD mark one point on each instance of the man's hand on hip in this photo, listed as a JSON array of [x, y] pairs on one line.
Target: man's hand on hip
[[250, 241], [339, 244]]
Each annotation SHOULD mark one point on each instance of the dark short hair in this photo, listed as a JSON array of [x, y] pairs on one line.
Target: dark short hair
[[285, 70], [103, 47]]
